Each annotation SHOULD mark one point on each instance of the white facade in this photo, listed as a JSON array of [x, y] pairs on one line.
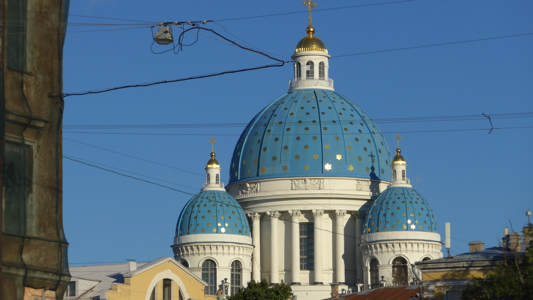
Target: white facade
[[336, 206]]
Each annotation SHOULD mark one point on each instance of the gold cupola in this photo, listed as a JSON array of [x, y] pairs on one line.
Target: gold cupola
[[398, 159], [213, 163], [310, 43]]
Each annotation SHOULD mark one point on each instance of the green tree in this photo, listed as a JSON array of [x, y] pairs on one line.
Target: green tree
[[513, 280], [261, 291]]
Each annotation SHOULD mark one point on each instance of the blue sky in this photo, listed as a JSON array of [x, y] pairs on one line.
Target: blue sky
[[475, 180]]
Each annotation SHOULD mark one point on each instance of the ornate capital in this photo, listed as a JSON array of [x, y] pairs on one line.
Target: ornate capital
[[254, 216], [340, 213], [295, 213], [273, 214], [317, 213], [357, 214]]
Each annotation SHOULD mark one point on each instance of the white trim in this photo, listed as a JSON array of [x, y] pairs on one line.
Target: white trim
[[167, 274], [201, 262]]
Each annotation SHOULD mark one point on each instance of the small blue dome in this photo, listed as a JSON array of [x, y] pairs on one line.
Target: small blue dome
[[400, 209], [311, 132], [212, 211]]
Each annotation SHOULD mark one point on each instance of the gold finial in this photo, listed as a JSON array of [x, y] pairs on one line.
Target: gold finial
[[212, 141], [398, 159], [310, 6], [398, 138]]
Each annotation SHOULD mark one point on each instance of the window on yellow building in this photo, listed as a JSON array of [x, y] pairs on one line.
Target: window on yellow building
[[167, 289]]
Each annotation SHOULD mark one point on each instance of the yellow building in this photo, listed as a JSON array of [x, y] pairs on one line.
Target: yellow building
[[445, 278], [161, 279]]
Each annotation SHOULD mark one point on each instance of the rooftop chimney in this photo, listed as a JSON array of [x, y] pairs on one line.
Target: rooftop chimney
[[514, 241], [475, 246], [132, 265]]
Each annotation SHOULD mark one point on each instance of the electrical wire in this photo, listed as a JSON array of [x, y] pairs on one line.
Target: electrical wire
[[135, 157], [238, 134], [379, 121], [280, 63], [315, 10], [436, 45], [138, 174]]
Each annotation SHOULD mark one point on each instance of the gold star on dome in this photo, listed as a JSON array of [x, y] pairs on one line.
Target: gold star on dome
[[274, 158], [265, 149], [350, 168], [263, 170], [255, 160], [298, 138], [349, 147], [243, 162], [306, 147], [285, 168], [306, 167], [326, 146], [249, 172], [367, 169], [338, 157], [297, 157], [315, 157], [314, 138], [285, 147], [359, 158], [337, 138], [327, 166]]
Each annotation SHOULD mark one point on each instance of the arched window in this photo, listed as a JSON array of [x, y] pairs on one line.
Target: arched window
[[310, 70], [209, 275], [403, 174], [184, 263], [321, 70], [393, 174], [426, 259], [208, 178], [236, 277], [298, 70], [374, 273], [218, 178], [399, 271], [167, 289], [152, 295]]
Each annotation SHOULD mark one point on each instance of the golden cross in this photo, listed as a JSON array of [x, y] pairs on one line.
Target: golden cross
[[398, 138], [310, 6], [212, 141]]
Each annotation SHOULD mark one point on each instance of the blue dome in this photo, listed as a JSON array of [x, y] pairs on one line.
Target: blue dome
[[212, 211], [400, 209], [311, 133]]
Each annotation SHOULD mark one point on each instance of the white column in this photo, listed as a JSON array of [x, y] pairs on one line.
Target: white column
[[317, 214], [295, 268], [358, 218], [274, 261], [256, 255], [339, 246]]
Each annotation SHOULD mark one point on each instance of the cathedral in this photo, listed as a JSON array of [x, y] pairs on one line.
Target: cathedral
[[314, 198]]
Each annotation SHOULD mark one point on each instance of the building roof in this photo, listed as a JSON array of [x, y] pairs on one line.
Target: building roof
[[386, 293], [400, 209], [489, 254], [212, 211], [105, 274], [311, 132]]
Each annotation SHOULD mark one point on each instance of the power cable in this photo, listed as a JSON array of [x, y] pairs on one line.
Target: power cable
[[315, 10], [281, 63], [240, 125], [238, 134], [138, 174], [436, 45], [131, 156]]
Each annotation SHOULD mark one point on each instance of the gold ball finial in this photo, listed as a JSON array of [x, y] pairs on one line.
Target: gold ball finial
[[310, 30]]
